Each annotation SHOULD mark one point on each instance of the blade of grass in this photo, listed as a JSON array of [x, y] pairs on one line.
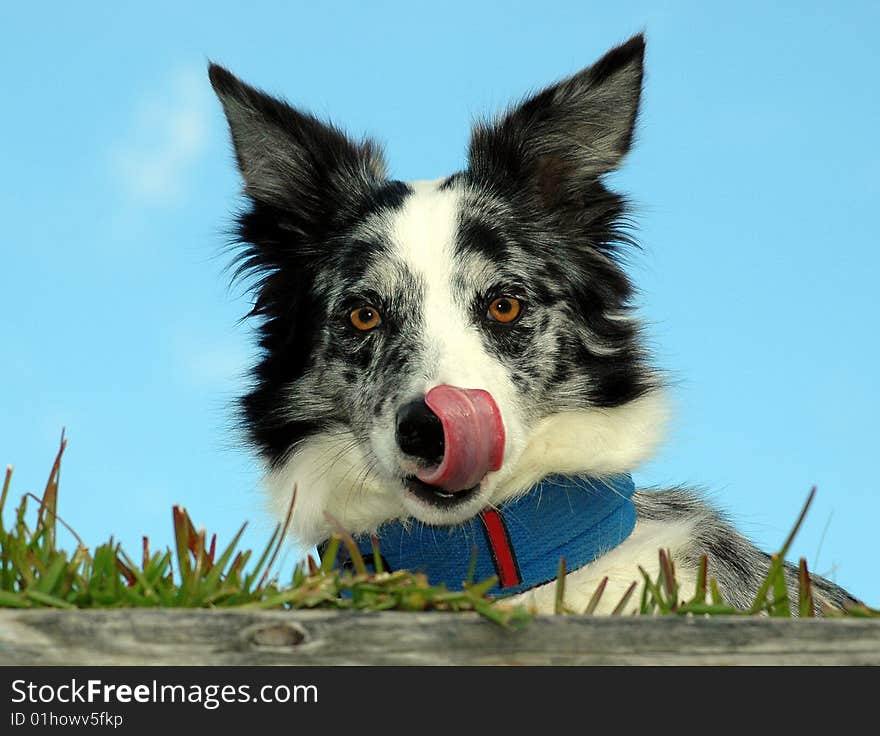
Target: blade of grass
[[281, 538], [654, 590], [125, 569], [702, 574], [647, 604], [354, 553], [667, 576], [181, 540], [49, 502], [53, 574], [212, 550], [596, 597], [761, 597], [715, 593], [258, 569], [559, 603], [781, 606], [198, 549], [483, 587], [138, 575], [331, 553], [618, 609], [13, 600], [48, 600], [57, 518], [472, 567], [720, 609], [377, 555], [3, 494], [806, 605]]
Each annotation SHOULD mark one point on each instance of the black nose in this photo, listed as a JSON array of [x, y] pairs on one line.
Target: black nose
[[419, 432]]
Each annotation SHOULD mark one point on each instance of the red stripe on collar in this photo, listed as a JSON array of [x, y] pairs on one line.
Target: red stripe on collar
[[503, 555]]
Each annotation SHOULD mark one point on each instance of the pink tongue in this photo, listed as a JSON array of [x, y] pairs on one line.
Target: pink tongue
[[473, 433]]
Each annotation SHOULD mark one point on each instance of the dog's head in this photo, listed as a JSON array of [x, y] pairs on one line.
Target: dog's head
[[431, 348]]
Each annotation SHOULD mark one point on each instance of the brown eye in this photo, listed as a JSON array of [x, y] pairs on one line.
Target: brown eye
[[364, 318], [505, 309]]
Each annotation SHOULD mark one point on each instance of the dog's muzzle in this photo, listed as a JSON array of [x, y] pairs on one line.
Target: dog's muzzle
[[457, 432]]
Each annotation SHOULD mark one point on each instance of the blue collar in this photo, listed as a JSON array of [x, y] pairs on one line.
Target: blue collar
[[522, 541]]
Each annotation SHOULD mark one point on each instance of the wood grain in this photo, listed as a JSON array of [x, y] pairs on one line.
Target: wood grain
[[235, 637]]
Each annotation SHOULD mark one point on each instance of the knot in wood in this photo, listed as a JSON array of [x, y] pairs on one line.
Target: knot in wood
[[276, 635]]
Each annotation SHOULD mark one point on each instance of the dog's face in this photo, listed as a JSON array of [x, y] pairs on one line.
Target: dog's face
[[430, 348]]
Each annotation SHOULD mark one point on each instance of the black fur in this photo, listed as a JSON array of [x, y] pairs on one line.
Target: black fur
[[542, 165], [306, 184], [537, 171], [534, 221]]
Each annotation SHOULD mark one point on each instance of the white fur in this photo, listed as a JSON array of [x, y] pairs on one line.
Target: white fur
[[589, 441], [334, 474], [621, 567], [330, 474], [423, 233]]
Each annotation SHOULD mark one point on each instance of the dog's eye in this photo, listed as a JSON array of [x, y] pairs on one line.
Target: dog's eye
[[504, 309], [365, 318]]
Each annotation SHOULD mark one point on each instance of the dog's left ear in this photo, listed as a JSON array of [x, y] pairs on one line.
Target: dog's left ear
[[558, 142]]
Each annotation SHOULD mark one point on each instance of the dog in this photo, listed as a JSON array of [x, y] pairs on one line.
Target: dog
[[455, 366]]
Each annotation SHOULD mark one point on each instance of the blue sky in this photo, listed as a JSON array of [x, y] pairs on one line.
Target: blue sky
[[755, 177]]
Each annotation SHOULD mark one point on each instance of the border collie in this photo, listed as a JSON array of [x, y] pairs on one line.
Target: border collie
[[455, 366]]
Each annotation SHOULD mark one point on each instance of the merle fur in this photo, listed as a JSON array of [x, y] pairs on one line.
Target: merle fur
[[737, 565], [536, 207], [534, 178]]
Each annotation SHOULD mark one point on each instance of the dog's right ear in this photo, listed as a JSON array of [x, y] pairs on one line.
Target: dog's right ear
[[290, 159]]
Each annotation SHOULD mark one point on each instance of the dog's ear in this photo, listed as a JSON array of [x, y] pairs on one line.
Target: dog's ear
[[290, 159], [558, 142]]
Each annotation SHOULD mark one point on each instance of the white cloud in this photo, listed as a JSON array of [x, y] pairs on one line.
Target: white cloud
[[167, 134]]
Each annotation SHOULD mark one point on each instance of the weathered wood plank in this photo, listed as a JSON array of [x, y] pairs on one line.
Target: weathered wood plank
[[228, 637]]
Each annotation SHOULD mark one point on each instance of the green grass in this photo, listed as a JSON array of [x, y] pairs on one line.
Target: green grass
[[35, 573]]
